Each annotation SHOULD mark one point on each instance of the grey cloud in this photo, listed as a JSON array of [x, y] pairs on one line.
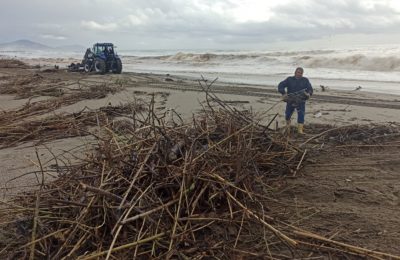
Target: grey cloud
[[292, 22], [53, 37], [182, 23], [345, 16]]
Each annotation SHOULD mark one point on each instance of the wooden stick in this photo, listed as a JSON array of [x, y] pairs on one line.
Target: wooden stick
[[366, 145], [117, 228], [101, 191], [141, 215], [321, 134], [279, 234], [330, 249], [298, 165], [182, 191], [34, 229], [220, 142], [77, 245], [366, 252], [36, 216], [42, 238], [137, 174], [148, 239]]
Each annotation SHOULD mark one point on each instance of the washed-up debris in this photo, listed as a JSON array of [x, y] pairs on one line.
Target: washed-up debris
[[63, 125], [194, 190], [13, 63]]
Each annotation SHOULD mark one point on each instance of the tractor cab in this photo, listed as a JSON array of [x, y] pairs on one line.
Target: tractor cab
[[106, 48]]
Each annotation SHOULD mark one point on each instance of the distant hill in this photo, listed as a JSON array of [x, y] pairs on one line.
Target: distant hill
[[27, 45], [22, 45]]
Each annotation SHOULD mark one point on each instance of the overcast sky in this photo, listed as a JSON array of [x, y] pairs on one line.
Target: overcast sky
[[201, 24]]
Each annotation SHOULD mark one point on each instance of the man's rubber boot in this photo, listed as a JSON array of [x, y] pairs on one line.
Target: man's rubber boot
[[300, 129], [287, 129]]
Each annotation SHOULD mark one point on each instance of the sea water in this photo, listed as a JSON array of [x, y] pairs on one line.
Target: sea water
[[373, 68]]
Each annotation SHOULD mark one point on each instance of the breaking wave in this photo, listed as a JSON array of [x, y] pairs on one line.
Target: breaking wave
[[329, 59], [213, 57], [357, 61]]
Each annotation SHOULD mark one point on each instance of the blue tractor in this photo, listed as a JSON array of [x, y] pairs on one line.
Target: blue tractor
[[102, 58]]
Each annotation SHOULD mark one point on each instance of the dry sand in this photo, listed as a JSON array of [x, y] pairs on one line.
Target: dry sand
[[353, 192]]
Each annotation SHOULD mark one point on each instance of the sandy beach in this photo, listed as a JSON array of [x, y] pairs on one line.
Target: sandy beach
[[349, 193]]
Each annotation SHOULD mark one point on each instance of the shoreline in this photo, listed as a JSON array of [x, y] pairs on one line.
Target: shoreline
[[390, 87]]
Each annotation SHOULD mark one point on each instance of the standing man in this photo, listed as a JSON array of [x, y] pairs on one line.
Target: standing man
[[295, 91]]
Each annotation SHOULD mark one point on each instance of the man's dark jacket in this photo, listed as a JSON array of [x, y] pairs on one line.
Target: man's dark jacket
[[292, 84]]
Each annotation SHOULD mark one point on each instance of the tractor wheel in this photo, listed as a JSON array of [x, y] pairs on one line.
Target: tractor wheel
[[87, 67], [100, 66], [117, 66]]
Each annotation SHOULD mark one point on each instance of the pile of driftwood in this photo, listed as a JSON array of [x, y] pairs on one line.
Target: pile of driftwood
[[161, 189], [29, 85], [12, 63], [61, 126], [45, 106], [178, 190], [38, 84], [365, 134], [352, 135], [30, 122]]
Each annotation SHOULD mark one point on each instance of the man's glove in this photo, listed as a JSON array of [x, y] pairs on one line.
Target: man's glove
[[306, 95], [284, 97]]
